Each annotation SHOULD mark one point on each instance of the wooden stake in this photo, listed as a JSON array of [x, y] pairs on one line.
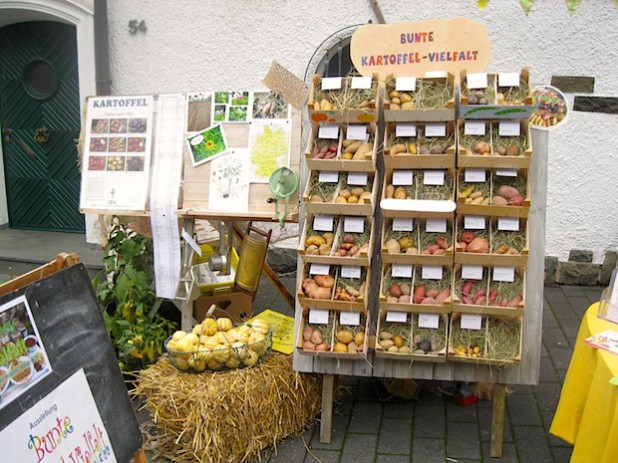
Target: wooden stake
[[326, 420], [140, 457], [497, 420]]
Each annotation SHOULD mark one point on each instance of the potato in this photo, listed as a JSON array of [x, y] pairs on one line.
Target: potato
[[359, 339], [407, 106], [398, 340], [395, 106], [405, 98], [324, 249], [395, 290], [412, 148], [386, 343], [399, 148], [393, 349], [412, 250], [400, 193], [405, 242], [345, 193], [395, 100], [347, 156], [345, 336], [316, 199], [311, 250], [357, 191], [393, 246], [393, 94], [508, 192], [341, 200], [390, 191], [405, 350], [364, 152], [404, 299], [353, 147], [499, 201], [512, 150], [386, 335], [329, 237], [352, 199], [366, 196]]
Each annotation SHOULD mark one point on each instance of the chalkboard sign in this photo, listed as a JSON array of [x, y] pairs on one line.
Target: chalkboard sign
[[71, 328]]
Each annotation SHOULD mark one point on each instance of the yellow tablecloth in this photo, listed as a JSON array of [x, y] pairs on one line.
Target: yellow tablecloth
[[587, 412]]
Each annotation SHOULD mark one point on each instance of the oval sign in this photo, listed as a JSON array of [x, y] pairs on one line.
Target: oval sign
[[410, 49]]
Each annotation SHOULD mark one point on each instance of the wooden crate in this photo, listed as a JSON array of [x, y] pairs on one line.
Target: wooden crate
[[331, 303], [309, 231], [419, 161]]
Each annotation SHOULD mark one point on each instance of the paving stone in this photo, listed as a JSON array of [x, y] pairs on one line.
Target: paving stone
[[523, 410], [554, 337], [521, 389], [509, 454], [548, 395], [282, 260], [429, 421], [393, 459], [339, 428], [562, 453], [428, 450], [532, 444], [607, 267], [290, 450], [571, 290], [349, 381], [359, 447], [345, 404], [403, 411], [463, 441], [395, 436], [366, 390], [485, 417], [323, 456], [366, 417], [579, 304], [580, 255], [547, 372], [455, 412], [555, 297], [593, 293], [549, 319], [560, 357], [571, 331], [561, 372]]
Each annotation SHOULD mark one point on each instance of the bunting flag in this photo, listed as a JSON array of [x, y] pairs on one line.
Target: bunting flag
[[527, 5], [616, 3], [482, 4], [572, 5]]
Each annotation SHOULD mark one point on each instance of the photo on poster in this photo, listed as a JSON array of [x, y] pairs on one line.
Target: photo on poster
[[229, 182], [269, 145], [231, 107], [207, 145], [23, 358], [199, 107], [269, 105]]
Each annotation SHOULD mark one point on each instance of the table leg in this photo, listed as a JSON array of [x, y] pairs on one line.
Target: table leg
[[326, 421], [186, 316], [497, 420]]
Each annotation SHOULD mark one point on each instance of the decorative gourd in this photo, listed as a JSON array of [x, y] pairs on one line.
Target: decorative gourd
[[209, 327], [260, 326], [224, 324]]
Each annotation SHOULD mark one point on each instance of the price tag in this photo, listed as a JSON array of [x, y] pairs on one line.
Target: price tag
[[348, 271], [318, 316], [474, 222], [432, 272], [435, 129], [354, 225], [435, 225], [326, 176], [471, 272], [323, 223], [508, 223], [396, 317], [475, 176], [357, 178], [429, 320], [329, 131], [509, 129], [506, 172], [474, 128], [403, 224], [508, 79], [319, 269], [360, 82], [506, 274], [405, 130], [403, 177], [405, 84], [435, 74], [477, 80], [349, 318], [433, 177], [401, 271], [470, 322], [331, 83], [356, 132]]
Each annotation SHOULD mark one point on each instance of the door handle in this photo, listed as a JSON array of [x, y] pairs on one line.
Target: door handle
[[7, 132]]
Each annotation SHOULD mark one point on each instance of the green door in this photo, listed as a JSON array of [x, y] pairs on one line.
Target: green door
[[40, 115]]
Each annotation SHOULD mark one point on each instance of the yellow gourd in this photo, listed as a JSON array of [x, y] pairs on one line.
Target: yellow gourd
[[260, 326], [224, 324], [209, 327]]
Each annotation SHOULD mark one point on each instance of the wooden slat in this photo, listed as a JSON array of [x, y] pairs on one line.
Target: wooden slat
[[497, 420], [326, 421], [62, 260]]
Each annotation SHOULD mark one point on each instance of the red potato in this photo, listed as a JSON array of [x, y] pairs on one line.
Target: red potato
[[493, 295], [404, 299], [332, 148], [466, 300], [433, 248], [515, 301], [419, 294], [463, 245], [395, 290], [439, 252], [467, 237], [480, 300], [307, 332], [441, 242], [308, 345], [466, 288], [516, 201], [428, 300], [478, 246], [440, 298], [504, 302], [499, 201], [432, 293], [479, 293], [330, 155], [508, 192], [322, 347]]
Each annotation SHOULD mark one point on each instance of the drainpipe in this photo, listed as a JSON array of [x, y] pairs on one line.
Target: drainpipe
[[101, 48]]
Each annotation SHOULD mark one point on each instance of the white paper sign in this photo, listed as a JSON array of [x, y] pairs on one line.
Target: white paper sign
[[357, 178], [470, 322], [508, 223], [349, 271], [319, 269], [475, 175], [506, 274], [433, 177], [509, 128], [191, 242], [360, 83], [405, 130], [331, 83], [401, 271], [357, 132], [474, 127], [471, 272], [354, 225], [396, 317], [477, 80], [429, 320], [318, 316], [326, 176], [435, 129], [323, 223], [506, 172], [508, 79], [403, 177], [328, 131], [432, 272], [403, 224], [405, 84], [349, 318], [435, 225], [474, 222]]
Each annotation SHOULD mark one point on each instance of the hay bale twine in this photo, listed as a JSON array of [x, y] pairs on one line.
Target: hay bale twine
[[225, 416]]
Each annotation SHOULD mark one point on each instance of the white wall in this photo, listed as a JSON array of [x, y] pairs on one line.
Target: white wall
[[209, 44]]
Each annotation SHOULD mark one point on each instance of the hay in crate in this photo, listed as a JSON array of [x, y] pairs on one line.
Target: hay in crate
[[225, 416]]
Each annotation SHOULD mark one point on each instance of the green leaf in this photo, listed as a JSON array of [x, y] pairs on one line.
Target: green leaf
[[510, 111], [573, 5], [527, 5], [123, 284]]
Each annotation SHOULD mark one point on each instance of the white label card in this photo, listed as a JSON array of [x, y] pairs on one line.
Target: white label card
[[475, 175], [323, 223], [403, 224], [191, 242], [506, 274], [429, 320], [349, 318], [474, 128], [329, 131], [326, 176], [506, 172], [396, 317], [471, 272], [434, 74], [319, 269], [508, 79], [331, 83], [405, 84], [401, 271], [474, 222], [360, 82], [433, 177], [405, 130], [403, 177], [354, 224], [435, 129], [348, 271], [356, 132], [477, 80], [432, 272], [508, 223], [357, 178], [509, 129], [318, 316], [435, 225], [470, 322]]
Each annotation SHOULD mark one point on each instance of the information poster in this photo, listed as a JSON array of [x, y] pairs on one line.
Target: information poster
[[117, 147], [65, 426]]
